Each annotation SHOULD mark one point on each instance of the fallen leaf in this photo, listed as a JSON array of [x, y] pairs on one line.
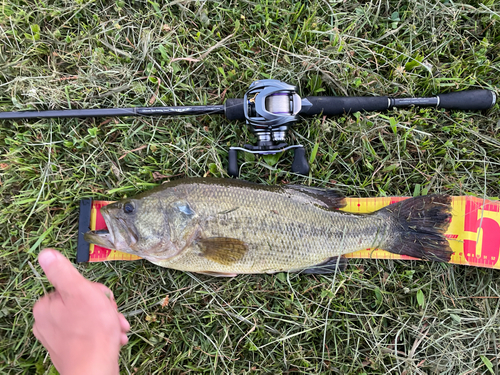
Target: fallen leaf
[[158, 176], [165, 301]]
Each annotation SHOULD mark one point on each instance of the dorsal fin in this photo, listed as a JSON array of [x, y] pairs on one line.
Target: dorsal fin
[[331, 198]]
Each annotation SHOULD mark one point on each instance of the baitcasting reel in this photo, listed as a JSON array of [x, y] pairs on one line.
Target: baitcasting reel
[[270, 108]]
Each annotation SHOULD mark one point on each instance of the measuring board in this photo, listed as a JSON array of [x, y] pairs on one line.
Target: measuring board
[[473, 234]]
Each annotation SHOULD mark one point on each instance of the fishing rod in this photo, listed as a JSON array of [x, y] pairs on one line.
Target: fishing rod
[[270, 107]]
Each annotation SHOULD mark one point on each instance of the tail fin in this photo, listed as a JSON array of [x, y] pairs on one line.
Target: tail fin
[[419, 227]]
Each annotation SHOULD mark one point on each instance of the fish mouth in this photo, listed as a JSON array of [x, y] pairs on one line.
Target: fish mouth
[[102, 238], [117, 237]]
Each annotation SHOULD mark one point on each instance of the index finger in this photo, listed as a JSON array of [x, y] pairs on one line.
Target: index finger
[[61, 272]]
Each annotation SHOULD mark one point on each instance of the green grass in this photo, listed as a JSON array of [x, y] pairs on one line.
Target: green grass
[[377, 317]]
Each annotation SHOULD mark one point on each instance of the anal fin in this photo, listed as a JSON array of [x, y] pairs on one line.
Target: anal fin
[[331, 265]]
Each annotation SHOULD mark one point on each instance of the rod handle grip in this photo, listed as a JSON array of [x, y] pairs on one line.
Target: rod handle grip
[[469, 100], [339, 105], [233, 109]]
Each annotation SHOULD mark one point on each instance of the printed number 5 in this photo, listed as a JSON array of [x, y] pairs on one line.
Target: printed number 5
[[490, 230]]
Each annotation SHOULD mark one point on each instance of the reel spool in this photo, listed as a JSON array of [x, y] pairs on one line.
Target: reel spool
[[270, 108]]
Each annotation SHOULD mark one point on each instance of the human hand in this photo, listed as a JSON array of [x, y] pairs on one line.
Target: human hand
[[78, 323]]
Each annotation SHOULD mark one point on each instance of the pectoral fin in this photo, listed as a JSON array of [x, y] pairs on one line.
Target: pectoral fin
[[222, 250]]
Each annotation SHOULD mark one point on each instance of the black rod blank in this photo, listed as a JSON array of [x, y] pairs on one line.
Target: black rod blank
[[116, 112]]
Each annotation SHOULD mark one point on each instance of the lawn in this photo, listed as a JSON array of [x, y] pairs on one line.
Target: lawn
[[376, 317]]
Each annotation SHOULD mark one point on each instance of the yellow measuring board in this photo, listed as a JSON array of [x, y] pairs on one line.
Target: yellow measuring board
[[474, 231]]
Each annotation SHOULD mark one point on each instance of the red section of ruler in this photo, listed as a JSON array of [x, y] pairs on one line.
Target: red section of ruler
[[98, 253]]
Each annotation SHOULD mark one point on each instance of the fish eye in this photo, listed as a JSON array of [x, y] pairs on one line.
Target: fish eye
[[128, 208]]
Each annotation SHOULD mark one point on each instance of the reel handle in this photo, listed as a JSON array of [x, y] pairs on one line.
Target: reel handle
[[299, 164]]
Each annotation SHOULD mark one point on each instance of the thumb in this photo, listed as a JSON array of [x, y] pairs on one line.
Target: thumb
[[60, 272]]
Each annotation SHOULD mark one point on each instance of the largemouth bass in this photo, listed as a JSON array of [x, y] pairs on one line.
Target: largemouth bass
[[228, 227]]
